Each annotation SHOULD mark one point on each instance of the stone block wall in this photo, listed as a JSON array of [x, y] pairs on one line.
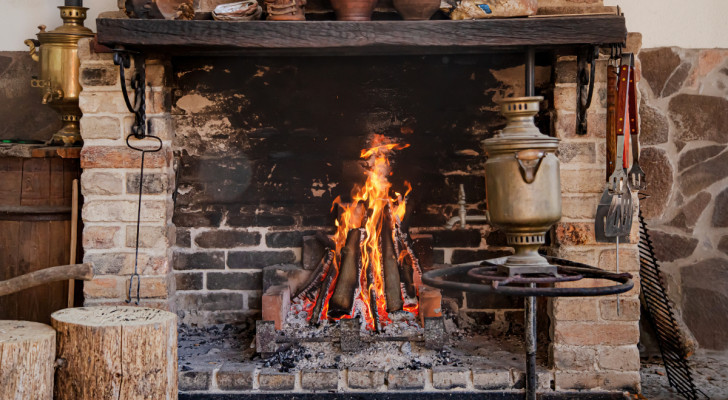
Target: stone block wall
[[109, 184], [685, 155]]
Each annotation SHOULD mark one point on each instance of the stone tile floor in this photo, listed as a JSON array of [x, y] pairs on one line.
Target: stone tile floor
[[710, 373]]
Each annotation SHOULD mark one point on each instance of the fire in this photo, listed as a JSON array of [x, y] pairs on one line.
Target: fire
[[366, 211]]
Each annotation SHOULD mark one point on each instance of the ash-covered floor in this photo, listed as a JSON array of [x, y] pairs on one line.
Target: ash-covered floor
[[710, 373], [211, 346]]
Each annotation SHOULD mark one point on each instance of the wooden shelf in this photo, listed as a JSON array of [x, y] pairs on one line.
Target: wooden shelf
[[217, 38]]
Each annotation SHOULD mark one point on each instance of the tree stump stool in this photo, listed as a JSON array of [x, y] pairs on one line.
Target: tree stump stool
[[116, 353], [27, 353]]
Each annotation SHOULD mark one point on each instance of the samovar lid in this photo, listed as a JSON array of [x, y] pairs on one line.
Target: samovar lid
[[520, 132], [71, 29]]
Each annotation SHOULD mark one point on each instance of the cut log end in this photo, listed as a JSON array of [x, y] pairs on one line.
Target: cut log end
[[112, 316], [27, 353], [116, 352]]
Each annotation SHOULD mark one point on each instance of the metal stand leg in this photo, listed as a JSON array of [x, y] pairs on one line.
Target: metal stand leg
[[530, 71], [531, 377]]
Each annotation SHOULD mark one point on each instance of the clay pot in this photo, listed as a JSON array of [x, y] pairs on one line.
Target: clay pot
[[353, 10], [285, 10], [416, 10]]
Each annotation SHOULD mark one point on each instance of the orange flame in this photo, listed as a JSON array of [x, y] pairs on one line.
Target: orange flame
[[367, 207]]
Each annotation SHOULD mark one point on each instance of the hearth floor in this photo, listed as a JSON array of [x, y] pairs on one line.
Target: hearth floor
[[222, 359]]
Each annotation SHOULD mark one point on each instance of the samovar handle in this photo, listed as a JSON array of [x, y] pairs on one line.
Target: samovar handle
[[529, 161], [33, 51]]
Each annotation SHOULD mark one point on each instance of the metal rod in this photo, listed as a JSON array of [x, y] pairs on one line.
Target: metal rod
[[530, 71], [531, 377]]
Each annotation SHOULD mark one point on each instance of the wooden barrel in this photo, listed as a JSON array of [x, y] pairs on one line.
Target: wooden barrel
[[35, 227]]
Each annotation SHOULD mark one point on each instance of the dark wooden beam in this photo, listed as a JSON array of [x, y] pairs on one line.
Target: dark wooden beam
[[358, 38]]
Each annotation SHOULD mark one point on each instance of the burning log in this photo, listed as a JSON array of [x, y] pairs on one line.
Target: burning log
[[392, 289], [342, 301], [406, 274], [323, 293], [373, 298], [308, 290]]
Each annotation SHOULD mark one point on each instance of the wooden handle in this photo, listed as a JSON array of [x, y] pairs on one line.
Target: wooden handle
[[74, 239], [634, 129], [48, 275], [623, 116], [611, 119]]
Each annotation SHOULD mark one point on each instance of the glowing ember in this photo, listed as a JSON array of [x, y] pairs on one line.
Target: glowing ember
[[376, 214]]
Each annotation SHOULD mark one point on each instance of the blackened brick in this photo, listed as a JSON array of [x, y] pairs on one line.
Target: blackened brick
[[482, 318], [492, 301], [153, 183], [456, 238], [210, 301], [98, 76], [438, 256], [235, 280], [259, 259], [196, 218], [286, 239], [255, 300], [260, 220], [463, 256], [188, 280], [206, 260], [182, 236], [496, 238], [219, 239]]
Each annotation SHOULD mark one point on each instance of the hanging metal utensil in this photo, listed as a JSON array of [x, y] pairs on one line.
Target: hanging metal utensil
[[611, 136], [636, 175], [619, 217]]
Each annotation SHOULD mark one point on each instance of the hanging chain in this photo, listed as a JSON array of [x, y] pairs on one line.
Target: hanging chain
[[139, 131]]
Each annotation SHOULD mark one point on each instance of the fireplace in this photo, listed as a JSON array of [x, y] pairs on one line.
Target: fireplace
[[262, 159]]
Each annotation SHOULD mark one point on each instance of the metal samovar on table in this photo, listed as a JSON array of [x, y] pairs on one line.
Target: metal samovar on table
[[57, 52]]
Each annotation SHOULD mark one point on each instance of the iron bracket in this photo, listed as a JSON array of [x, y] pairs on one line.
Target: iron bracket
[[585, 84], [122, 58]]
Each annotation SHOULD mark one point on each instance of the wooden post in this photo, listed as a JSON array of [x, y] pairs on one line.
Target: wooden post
[[27, 353], [74, 238], [116, 352]]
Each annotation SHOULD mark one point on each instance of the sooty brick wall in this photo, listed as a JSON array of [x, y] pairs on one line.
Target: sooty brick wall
[[264, 145]]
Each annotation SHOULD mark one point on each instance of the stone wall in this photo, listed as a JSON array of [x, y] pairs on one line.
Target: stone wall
[[685, 155]]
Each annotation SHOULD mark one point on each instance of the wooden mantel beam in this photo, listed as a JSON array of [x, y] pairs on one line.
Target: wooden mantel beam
[[211, 38]]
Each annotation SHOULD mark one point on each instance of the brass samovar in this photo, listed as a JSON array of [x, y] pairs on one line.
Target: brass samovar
[[57, 52], [523, 188]]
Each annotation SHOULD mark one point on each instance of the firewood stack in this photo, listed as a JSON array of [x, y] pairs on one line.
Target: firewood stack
[[341, 286]]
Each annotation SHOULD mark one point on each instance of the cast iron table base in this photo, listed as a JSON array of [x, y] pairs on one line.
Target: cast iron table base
[[495, 282]]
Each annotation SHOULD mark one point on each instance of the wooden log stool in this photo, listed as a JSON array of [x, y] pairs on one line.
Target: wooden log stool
[[116, 353], [27, 353]]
